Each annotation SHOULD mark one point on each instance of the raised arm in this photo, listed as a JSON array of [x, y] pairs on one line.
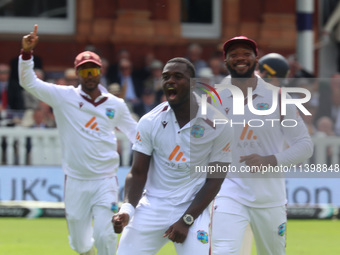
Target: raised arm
[[27, 78]]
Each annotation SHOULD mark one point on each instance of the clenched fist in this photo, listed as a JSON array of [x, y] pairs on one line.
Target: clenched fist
[[120, 220]]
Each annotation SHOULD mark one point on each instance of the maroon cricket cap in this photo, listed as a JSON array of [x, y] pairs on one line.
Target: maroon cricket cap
[[87, 56], [239, 39]]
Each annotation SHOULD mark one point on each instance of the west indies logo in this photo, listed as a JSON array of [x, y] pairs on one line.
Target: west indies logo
[[208, 89]]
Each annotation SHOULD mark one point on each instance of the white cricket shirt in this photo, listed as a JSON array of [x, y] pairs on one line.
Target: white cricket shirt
[[86, 127], [250, 136], [174, 150]]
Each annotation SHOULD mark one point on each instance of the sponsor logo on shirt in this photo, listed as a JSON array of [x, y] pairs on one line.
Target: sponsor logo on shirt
[[226, 148], [91, 124], [247, 134], [202, 236], [138, 138], [177, 156]]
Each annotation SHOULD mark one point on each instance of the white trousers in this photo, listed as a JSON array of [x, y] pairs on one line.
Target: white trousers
[[229, 223], [153, 216], [247, 242], [87, 202]]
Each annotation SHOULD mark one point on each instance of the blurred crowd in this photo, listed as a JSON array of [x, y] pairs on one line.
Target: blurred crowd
[[141, 89]]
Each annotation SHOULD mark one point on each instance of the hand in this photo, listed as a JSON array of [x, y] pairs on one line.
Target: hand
[[30, 41], [177, 232], [119, 221]]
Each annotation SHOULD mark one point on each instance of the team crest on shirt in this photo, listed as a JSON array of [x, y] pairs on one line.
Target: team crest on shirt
[[110, 113], [197, 131], [202, 236], [282, 229], [262, 106]]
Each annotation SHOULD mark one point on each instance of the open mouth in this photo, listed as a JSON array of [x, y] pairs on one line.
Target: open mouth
[[172, 93]]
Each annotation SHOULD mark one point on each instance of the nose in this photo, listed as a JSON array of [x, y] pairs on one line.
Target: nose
[[240, 56], [171, 79]]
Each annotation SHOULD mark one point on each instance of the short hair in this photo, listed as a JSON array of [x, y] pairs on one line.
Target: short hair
[[189, 65]]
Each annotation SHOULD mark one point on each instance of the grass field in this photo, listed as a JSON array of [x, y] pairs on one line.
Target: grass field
[[19, 236]]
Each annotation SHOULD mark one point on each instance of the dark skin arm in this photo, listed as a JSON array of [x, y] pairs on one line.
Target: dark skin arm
[[178, 231], [134, 186]]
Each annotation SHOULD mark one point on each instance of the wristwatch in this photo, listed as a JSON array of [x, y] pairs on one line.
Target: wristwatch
[[188, 219]]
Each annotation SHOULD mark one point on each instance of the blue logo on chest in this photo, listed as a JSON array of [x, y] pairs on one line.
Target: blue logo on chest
[[110, 113], [262, 106], [197, 131]]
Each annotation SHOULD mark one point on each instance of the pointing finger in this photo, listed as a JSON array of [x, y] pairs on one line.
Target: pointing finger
[[35, 30]]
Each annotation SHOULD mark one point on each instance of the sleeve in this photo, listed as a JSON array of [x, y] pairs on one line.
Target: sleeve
[[127, 124], [44, 91], [143, 142], [297, 136], [221, 150]]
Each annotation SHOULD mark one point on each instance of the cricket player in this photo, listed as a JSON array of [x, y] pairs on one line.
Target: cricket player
[[273, 68], [86, 118], [170, 141], [250, 195]]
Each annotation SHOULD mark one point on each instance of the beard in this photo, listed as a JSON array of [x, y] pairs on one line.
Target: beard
[[235, 74]]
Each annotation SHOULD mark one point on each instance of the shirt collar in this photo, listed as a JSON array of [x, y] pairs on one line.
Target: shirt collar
[[260, 89], [101, 88], [167, 108]]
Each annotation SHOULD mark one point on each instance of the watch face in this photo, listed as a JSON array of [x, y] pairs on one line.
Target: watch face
[[188, 219]]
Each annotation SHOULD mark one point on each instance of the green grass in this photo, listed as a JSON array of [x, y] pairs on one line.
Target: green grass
[[19, 236]]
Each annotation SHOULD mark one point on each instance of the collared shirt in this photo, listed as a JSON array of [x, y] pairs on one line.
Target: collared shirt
[[86, 127], [263, 135], [178, 153]]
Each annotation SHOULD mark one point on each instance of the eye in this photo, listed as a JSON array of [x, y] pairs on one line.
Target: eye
[[178, 76]]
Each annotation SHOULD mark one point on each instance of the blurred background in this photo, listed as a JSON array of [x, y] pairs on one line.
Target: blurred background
[[135, 39]]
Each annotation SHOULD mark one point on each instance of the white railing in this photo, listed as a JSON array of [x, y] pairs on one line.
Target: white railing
[[45, 148], [326, 145]]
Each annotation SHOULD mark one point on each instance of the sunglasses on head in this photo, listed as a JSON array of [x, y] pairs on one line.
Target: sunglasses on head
[[85, 72]]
